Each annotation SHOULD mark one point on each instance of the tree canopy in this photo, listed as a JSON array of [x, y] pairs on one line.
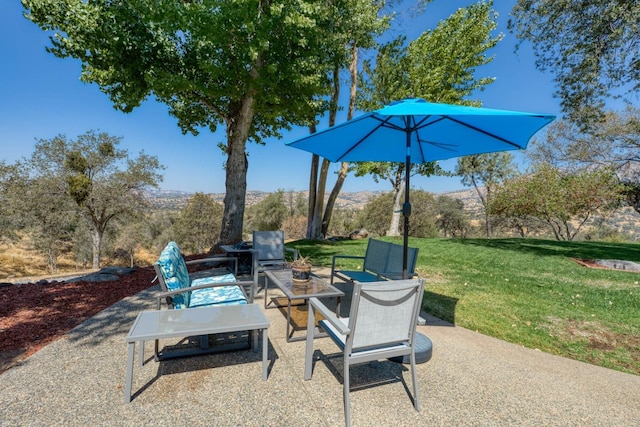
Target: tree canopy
[[198, 223], [591, 46], [90, 173], [254, 66], [563, 201], [486, 171], [612, 142], [439, 66]]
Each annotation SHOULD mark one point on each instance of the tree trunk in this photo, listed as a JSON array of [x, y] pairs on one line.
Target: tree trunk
[[326, 219], [236, 172], [316, 223], [96, 243], [483, 200], [344, 167], [313, 188], [394, 225], [397, 182], [487, 222], [53, 262]]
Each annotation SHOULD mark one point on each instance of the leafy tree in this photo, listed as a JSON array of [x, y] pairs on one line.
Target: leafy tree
[[451, 218], [10, 191], [592, 47], [344, 221], [353, 31], [37, 204], [423, 219], [102, 181], [613, 142], [268, 214], [484, 172], [296, 203], [564, 201], [256, 67], [161, 228], [198, 223], [394, 173], [50, 216], [439, 66], [376, 214]]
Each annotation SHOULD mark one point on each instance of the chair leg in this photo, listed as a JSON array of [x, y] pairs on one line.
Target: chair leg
[[308, 356], [414, 379], [204, 342], [347, 407]]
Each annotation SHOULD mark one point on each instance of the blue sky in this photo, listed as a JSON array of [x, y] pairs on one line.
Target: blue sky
[[42, 96]]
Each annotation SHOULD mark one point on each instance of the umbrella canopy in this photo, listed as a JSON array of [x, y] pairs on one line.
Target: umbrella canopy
[[416, 131]]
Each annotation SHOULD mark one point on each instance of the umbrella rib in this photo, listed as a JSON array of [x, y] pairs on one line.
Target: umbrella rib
[[354, 146], [483, 131]]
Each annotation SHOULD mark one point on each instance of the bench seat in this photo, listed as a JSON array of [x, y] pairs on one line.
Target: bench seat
[[382, 261]]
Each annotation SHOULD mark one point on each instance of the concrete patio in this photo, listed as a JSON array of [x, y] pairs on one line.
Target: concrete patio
[[472, 379]]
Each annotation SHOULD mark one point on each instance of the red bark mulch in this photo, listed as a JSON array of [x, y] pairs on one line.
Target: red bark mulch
[[34, 315]]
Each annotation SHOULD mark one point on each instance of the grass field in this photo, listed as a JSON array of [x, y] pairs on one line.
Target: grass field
[[528, 292]]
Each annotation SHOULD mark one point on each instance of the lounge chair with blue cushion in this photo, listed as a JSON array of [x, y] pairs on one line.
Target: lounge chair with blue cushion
[[181, 290], [184, 290]]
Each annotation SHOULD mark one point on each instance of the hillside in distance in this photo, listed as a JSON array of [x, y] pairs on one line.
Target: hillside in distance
[[175, 200], [624, 220]]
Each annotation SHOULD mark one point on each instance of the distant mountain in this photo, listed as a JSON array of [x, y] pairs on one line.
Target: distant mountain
[[624, 220], [170, 199]]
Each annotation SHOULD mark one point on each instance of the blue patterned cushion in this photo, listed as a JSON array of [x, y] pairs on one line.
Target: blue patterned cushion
[[220, 295], [174, 271], [176, 276], [222, 278]]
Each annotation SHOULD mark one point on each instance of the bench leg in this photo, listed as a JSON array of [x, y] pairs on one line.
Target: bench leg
[[127, 384]]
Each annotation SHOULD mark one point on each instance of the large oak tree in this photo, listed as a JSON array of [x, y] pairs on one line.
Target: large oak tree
[[252, 66], [92, 173], [563, 201]]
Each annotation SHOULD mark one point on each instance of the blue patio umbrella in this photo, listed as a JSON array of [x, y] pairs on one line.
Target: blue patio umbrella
[[416, 131]]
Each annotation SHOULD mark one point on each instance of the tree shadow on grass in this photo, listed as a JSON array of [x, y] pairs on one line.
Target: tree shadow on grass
[[441, 306], [565, 249]]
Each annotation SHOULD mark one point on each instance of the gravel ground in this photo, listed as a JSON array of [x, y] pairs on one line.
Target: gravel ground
[[472, 380]]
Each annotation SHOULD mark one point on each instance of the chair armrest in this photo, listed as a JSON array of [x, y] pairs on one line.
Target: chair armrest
[[396, 276], [333, 260], [293, 251], [329, 316], [210, 259]]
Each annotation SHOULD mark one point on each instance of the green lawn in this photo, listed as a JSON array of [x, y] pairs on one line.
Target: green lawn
[[527, 292]]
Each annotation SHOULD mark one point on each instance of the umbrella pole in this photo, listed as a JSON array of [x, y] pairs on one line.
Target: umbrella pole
[[406, 208]]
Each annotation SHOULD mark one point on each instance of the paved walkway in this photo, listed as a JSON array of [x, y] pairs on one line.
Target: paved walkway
[[472, 380]]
